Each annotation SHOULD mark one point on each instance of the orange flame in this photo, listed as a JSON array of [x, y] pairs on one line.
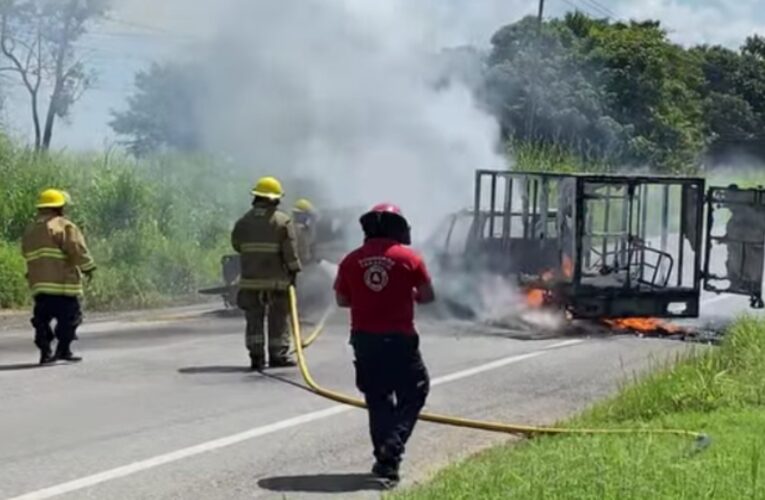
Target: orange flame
[[535, 297], [567, 266], [643, 325]]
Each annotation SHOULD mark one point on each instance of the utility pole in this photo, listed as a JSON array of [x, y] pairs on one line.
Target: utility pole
[[533, 111], [539, 17]]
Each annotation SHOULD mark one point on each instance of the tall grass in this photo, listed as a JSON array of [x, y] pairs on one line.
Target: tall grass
[[531, 157], [157, 228]]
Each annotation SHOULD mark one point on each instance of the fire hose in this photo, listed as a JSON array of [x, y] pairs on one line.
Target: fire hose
[[701, 439], [318, 329]]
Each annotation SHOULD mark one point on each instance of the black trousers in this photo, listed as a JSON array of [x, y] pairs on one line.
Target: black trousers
[[395, 383], [68, 315]]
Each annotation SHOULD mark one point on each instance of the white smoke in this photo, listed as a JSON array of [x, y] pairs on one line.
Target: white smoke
[[495, 300], [342, 93]]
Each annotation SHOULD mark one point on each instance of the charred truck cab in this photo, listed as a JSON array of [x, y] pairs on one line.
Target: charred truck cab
[[612, 246]]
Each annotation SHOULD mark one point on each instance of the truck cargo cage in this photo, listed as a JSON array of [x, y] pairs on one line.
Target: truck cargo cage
[[612, 246], [735, 231]]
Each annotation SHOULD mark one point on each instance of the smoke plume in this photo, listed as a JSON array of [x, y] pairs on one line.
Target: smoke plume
[[352, 99], [343, 94]]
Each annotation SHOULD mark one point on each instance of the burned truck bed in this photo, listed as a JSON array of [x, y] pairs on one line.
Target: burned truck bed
[[610, 246]]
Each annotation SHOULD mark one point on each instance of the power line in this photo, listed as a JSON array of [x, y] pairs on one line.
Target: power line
[[589, 9], [601, 7], [112, 52], [597, 9], [153, 37], [97, 88], [580, 8], [149, 28]]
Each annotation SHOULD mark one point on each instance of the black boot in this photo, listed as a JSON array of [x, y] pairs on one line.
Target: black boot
[[69, 356], [257, 364], [282, 362], [65, 354], [386, 466], [43, 338], [46, 358], [387, 472]]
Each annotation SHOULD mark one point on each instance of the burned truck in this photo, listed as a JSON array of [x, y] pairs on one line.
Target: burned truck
[[609, 246], [334, 236]]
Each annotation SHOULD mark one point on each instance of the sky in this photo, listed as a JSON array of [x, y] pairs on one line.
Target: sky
[[138, 32]]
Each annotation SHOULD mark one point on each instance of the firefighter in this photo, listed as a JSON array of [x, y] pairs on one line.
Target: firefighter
[[305, 216], [380, 282], [310, 285], [265, 239], [57, 257]]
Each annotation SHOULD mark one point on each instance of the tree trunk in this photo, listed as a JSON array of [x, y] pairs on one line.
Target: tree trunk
[[51, 116], [58, 84], [36, 121]]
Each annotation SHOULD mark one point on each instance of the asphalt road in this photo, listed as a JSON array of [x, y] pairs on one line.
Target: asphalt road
[[166, 409]]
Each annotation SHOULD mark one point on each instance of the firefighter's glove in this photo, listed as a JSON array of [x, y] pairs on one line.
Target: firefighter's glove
[[88, 277]]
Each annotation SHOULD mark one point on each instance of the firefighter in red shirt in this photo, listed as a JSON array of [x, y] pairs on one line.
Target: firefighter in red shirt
[[380, 282]]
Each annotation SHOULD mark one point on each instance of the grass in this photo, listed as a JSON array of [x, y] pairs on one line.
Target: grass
[[157, 227], [13, 286], [530, 157], [720, 392]]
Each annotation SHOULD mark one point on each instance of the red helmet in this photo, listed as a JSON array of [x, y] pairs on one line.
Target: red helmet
[[385, 220], [387, 207]]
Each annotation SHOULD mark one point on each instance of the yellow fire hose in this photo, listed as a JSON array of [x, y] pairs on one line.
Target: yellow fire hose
[[702, 440], [318, 329]]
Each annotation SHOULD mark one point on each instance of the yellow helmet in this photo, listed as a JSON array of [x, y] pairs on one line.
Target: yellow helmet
[[53, 198], [303, 205], [268, 187]]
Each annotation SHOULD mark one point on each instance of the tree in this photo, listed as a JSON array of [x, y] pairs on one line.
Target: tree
[[617, 91], [734, 97], [161, 112], [754, 46], [543, 92], [38, 37]]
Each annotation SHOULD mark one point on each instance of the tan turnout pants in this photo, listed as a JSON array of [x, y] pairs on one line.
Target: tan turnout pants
[[271, 307]]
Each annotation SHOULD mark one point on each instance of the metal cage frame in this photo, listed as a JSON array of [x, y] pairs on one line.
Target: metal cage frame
[[503, 251]]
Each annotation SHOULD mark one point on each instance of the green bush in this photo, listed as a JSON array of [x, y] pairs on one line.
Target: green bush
[[13, 285], [156, 228]]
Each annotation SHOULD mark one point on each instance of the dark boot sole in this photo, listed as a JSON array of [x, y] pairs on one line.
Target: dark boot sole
[[70, 360], [386, 483], [281, 364], [386, 473]]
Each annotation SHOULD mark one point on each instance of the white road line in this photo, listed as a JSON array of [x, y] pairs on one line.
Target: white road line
[[216, 444], [485, 368], [565, 343]]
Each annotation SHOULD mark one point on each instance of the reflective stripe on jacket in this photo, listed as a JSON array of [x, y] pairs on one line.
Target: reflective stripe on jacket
[[265, 238], [56, 256]]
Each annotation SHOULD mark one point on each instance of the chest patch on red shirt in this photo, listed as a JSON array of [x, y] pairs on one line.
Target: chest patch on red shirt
[[376, 271]]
